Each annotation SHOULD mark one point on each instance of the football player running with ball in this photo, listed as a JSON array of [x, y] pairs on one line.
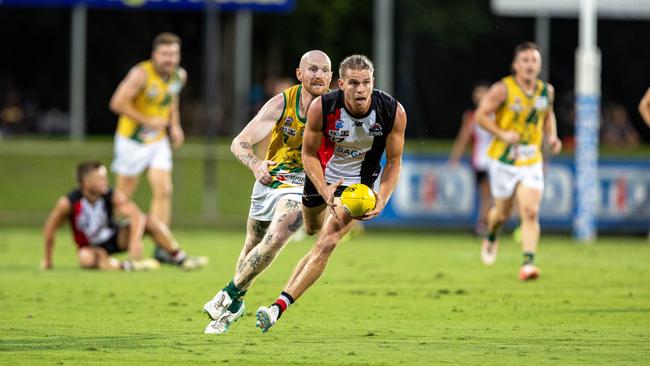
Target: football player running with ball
[[275, 212], [347, 132]]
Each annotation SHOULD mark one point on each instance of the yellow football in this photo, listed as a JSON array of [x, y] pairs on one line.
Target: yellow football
[[357, 199]]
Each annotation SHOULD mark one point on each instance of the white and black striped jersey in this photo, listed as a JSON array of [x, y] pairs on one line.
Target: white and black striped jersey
[[92, 223], [352, 146]]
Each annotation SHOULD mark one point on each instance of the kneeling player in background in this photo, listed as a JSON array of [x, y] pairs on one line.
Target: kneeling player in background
[[90, 210]]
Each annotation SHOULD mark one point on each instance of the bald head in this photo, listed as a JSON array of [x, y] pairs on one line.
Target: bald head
[[314, 57], [315, 72]]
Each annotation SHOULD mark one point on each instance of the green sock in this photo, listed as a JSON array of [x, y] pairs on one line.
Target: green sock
[[529, 257], [237, 303], [491, 236], [232, 290]]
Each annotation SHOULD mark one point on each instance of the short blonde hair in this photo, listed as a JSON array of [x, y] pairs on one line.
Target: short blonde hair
[[355, 62]]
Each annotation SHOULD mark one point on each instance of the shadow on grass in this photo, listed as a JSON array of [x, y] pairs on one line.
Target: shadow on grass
[[86, 343]]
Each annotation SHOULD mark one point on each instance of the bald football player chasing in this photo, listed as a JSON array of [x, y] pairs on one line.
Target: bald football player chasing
[[275, 211]]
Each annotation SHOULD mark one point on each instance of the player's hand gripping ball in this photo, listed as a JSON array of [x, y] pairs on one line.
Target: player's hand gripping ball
[[357, 199]]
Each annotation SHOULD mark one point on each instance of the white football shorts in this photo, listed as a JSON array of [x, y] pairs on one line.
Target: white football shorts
[[505, 177], [132, 158], [264, 199]]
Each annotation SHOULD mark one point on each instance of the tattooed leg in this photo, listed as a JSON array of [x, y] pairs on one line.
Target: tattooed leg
[[255, 231], [286, 221]]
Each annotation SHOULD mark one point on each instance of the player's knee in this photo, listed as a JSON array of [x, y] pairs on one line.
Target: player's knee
[[151, 223], [325, 248], [162, 190], [499, 216], [529, 212], [87, 259], [140, 220]]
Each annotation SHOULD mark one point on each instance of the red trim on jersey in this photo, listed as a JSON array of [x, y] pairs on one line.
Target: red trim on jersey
[[326, 150], [79, 237]]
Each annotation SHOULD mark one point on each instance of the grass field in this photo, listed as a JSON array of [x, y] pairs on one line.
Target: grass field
[[386, 298], [34, 172]]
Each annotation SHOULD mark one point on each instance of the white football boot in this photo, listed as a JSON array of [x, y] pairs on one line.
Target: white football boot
[[146, 264], [266, 317], [192, 263], [216, 307], [221, 325], [489, 251]]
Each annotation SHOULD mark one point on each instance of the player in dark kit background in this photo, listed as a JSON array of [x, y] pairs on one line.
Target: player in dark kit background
[[91, 210]]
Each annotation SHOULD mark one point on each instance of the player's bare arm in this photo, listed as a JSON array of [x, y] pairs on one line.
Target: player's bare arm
[[54, 220], [461, 141], [176, 134], [550, 124], [254, 132], [311, 141], [644, 107], [122, 100], [488, 106], [390, 175]]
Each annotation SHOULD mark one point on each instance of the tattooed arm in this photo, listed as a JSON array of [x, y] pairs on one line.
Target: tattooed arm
[[256, 130]]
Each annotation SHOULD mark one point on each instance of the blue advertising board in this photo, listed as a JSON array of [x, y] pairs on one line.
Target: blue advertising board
[[255, 5], [433, 194]]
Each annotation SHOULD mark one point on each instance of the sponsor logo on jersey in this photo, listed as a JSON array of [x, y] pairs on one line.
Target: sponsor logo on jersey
[[338, 135], [288, 121], [339, 124], [346, 152], [541, 103], [517, 107], [288, 131], [152, 92], [375, 130], [291, 178], [358, 123]]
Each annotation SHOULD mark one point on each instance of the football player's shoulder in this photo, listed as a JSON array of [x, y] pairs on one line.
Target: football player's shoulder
[[74, 195], [384, 99]]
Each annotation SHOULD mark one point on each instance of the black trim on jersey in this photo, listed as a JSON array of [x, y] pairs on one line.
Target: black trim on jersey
[[108, 199], [329, 102], [76, 195], [385, 106]]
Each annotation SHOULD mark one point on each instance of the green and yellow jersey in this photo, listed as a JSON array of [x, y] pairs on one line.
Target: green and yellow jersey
[[154, 100], [525, 115], [285, 146]]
